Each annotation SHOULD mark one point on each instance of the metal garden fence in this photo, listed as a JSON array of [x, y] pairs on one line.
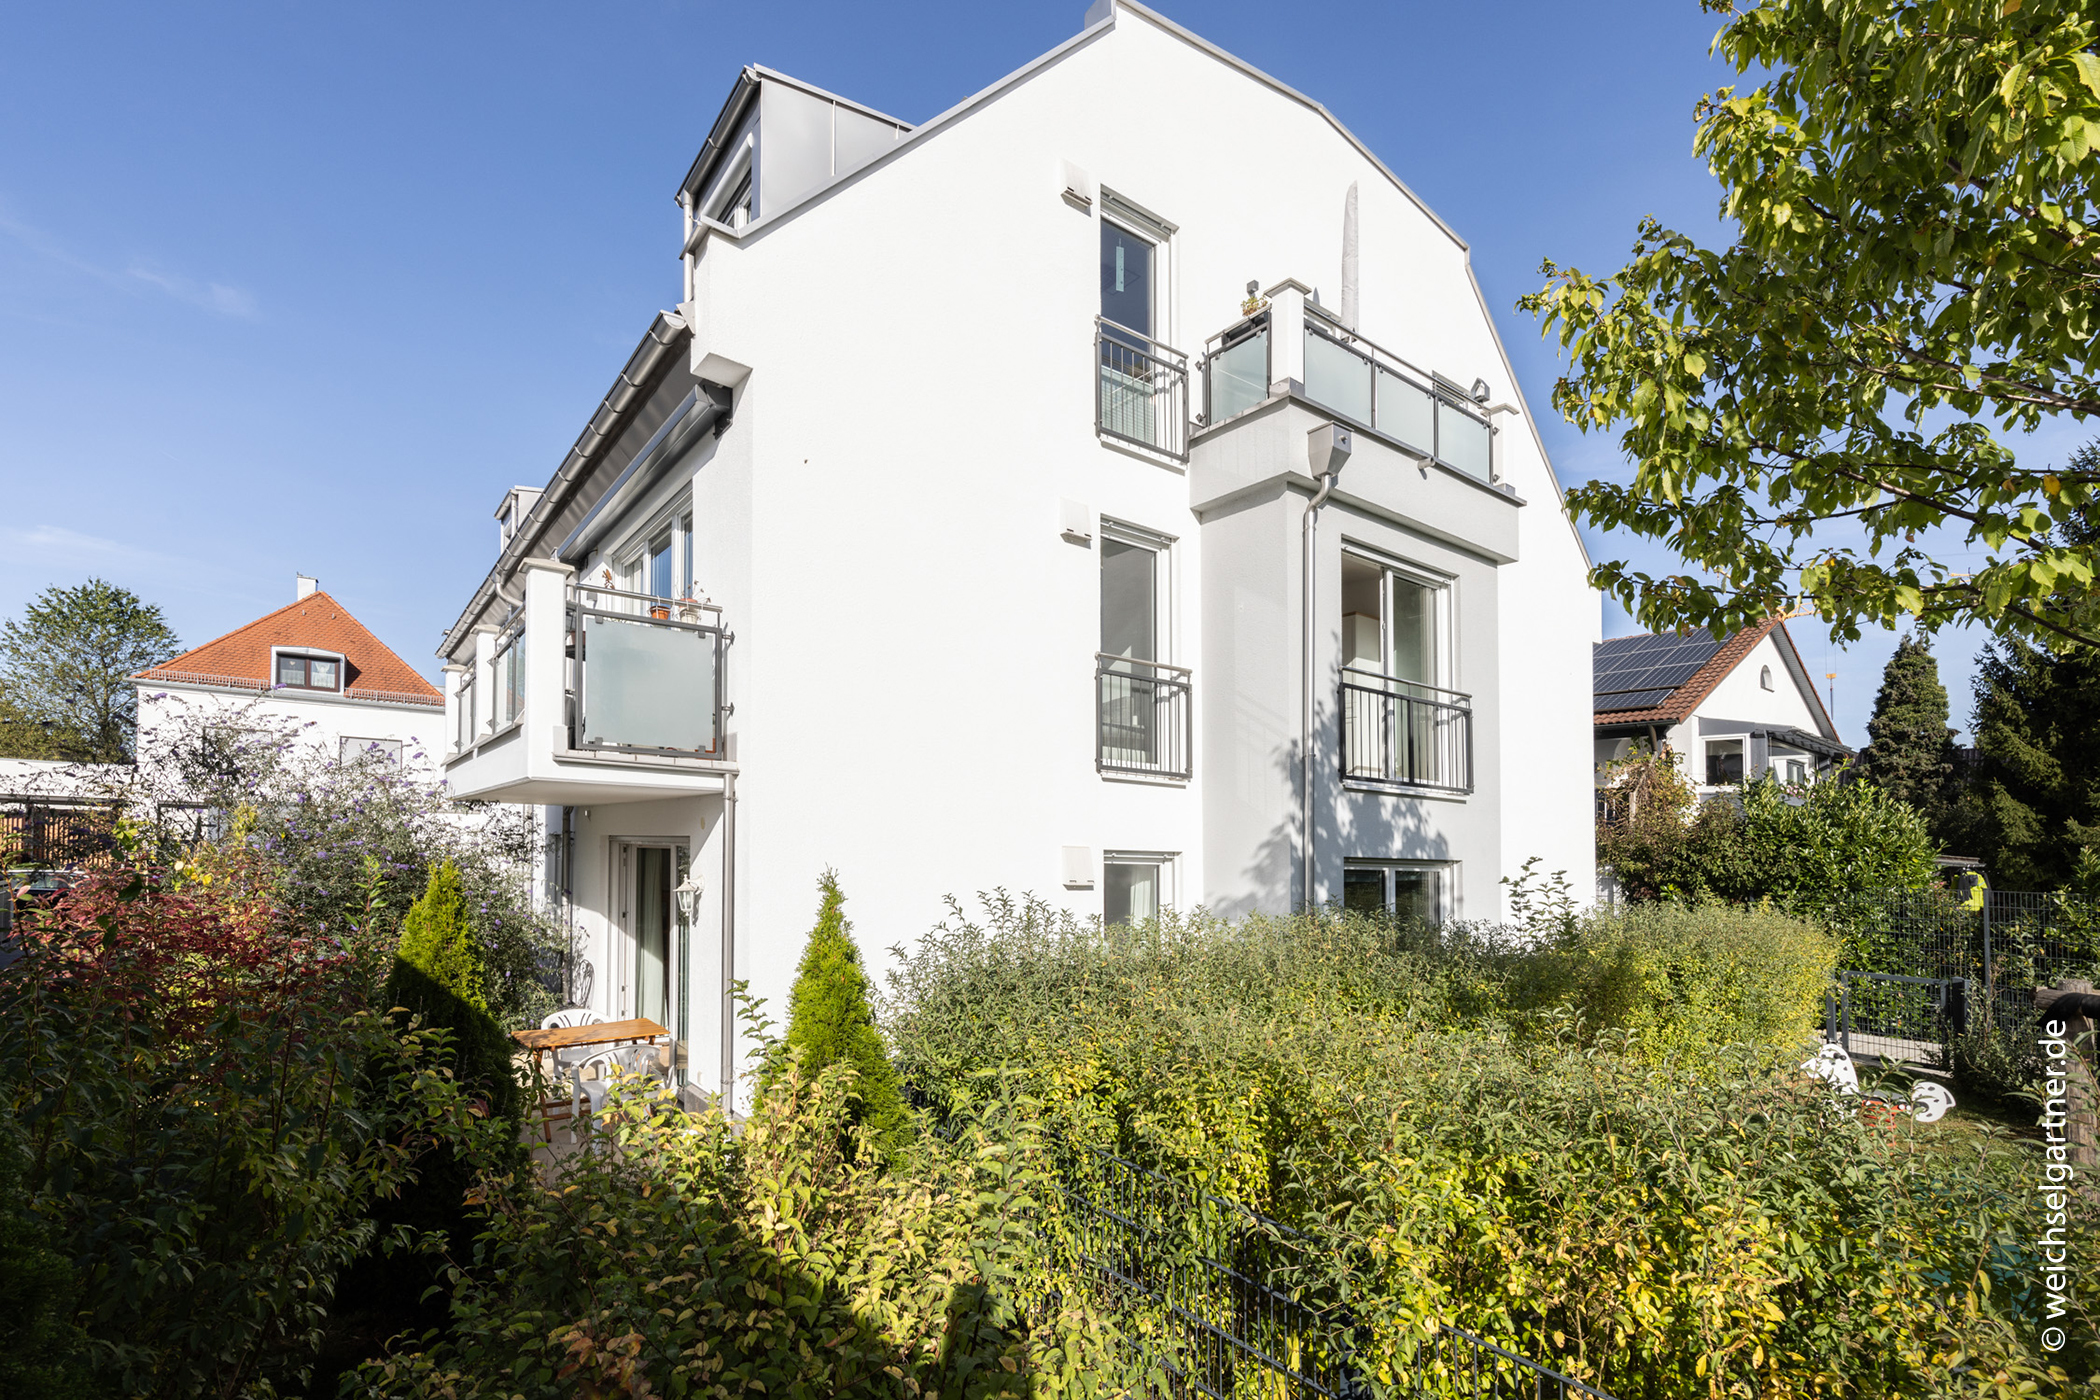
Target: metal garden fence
[[1212, 1295], [2002, 943]]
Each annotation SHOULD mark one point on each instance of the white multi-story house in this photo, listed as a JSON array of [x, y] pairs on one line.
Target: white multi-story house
[[1731, 709], [1131, 513]]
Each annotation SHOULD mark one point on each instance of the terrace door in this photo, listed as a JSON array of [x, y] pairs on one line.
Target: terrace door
[[651, 927]]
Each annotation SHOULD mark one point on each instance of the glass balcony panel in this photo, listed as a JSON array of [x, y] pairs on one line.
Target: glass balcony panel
[[647, 686], [1337, 378], [1239, 377], [1406, 412], [1462, 441]]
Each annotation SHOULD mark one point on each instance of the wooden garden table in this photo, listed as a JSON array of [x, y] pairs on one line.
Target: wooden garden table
[[543, 1042]]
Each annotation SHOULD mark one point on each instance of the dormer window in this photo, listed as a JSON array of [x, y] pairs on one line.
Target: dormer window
[[298, 670]]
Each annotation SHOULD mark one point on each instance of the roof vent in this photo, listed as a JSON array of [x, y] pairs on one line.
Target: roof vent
[[307, 586]]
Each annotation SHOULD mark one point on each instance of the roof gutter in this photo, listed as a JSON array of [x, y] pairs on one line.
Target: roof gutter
[[667, 331]]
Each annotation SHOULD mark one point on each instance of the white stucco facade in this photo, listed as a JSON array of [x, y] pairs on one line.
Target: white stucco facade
[[881, 437]]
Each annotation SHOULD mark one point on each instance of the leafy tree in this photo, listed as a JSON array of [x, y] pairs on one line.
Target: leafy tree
[[1910, 755], [2034, 807], [1911, 188], [66, 669], [831, 1022], [1792, 843], [1807, 841]]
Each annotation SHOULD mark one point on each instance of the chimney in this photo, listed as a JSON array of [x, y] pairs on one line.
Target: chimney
[[307, 585]]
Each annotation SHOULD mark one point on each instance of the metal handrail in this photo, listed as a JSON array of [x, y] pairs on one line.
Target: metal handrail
[[1464, 695], [1390, 746], [650, 599], [1140, 390], [1141, 716], [1183, 671], [1178, 359]]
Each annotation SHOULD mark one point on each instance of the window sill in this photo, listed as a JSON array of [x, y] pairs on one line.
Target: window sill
[[1373, 788], [1159, 780]]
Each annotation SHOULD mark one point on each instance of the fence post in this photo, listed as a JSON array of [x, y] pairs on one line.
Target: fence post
[[1990, 981], [1957, 1006], [2072, 1003]]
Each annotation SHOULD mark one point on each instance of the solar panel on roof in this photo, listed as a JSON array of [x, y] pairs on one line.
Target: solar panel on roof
[[1642, 671]]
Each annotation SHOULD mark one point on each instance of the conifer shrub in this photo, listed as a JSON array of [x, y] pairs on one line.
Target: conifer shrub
[[438, 977], [830, 1022]]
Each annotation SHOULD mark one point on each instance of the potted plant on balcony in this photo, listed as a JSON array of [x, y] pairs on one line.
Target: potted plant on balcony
[[689, 608], [660, 611]]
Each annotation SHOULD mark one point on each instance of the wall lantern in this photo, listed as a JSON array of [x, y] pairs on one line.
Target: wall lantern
[[688, 896]]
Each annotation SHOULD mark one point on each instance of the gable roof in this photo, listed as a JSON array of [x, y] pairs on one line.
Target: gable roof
[[1659, 678], [241, 658]]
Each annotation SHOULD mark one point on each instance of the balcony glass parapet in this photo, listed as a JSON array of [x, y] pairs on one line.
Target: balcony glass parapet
[[1353, 380], [645, 681], [1238, 373]]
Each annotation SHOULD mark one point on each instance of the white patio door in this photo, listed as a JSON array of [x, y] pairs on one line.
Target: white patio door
[[653, 934]]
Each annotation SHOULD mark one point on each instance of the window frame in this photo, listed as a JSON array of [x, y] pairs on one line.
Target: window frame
[[1165, 862], [1444, 620], [1706, 743], [391, 748], [629, 560], [1166, 635], [1139, 222], [309, 655], [1445, 872]]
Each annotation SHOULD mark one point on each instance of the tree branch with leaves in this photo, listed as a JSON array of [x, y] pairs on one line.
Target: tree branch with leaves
[[1915, 273]]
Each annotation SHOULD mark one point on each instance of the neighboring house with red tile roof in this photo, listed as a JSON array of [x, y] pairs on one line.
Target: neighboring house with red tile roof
[[310, 668], [1731, 708]]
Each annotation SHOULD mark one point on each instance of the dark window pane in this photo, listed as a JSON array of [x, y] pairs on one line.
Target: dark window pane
[[291, 670], [1126, 279], [321, 675], [1415, 895], [1363, 890]]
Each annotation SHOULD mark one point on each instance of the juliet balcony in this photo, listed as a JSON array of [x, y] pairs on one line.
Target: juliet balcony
[[587, 694], [1404, 734]]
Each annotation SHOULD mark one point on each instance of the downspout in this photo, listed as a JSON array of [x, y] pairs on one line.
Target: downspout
[[1328, 446], [729, 942]]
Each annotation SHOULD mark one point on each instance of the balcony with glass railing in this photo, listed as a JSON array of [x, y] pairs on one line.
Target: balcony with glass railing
[[589, 693], [1141, 390], [1351, 377], [1405, 734], [645, 674]]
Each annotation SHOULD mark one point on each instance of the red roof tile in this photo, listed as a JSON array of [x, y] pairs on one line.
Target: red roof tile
[[317, 621]]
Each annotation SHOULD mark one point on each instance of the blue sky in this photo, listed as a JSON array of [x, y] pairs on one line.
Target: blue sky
[[293, 288]]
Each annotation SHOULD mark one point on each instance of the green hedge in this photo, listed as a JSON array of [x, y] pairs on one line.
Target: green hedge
[[1596, 1147]]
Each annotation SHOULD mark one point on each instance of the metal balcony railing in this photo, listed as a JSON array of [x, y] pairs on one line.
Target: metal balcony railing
[[1405, 733], [645, 674], [1141, 716], [1365, 382], [1141, 390]]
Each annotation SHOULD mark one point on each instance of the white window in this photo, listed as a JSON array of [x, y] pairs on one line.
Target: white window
[[1395, 622], [1796, 770], [300, 670], [356, 750], [1404, 722], [1142, 704], [1411, 891], [1135, 885], [1764, 677], [658, 560], [1724, 762]]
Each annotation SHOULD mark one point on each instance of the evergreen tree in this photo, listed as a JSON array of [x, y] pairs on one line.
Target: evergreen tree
[[2035, 804], [831, 1022], [1910, 753], [438, 975]]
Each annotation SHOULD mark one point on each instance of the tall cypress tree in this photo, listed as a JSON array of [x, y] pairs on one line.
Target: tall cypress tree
[[830, 1020], [1910, 751]]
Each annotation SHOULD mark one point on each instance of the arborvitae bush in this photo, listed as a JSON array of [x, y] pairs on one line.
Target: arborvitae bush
[[438, 976], [831, 1022]]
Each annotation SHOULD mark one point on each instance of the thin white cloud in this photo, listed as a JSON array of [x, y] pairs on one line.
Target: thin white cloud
[[216, 297]]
